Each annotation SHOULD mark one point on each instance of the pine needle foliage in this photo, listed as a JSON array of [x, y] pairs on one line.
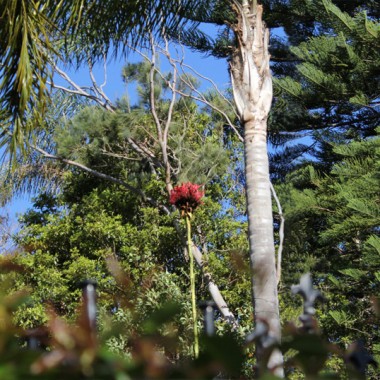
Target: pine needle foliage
[[334, 219], [333, 91]]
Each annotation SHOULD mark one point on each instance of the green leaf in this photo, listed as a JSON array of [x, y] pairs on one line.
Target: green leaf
[[341, 317], [360, 99], [342, 16], [374, 241], [334, 280], [164, 314], [312, 352], [289, 85], [356, 274]]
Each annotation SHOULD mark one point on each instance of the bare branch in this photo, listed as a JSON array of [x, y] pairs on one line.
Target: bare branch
[[103, 101], [172, 101], [97, 88], [116, 155], [162, 134], [199, 95], [281, 232], [104, 72]]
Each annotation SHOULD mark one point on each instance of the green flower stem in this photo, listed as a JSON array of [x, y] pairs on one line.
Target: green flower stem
[[192, 286]]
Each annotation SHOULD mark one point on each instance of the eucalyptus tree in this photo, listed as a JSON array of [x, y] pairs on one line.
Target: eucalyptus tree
[[253, 91]]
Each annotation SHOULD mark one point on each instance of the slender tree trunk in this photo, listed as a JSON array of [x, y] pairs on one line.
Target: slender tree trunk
[[252, 86]]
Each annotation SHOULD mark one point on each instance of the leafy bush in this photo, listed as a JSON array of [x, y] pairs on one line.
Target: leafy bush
[[60, 349]]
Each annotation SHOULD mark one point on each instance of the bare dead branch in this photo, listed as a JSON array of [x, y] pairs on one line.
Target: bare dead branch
[[281, 233], [103, 101], [96, 87]]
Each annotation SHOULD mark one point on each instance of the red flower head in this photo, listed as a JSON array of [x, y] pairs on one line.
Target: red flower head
[[186, 197]]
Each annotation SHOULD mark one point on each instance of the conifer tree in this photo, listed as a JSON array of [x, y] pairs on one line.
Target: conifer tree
[[332, 231], [330, 200], [332, 92]]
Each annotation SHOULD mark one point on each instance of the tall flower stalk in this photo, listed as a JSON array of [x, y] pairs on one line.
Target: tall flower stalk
[[192, 286], [187, 197]]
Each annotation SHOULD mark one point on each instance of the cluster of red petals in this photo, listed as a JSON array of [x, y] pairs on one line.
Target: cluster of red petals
[[186, 197]]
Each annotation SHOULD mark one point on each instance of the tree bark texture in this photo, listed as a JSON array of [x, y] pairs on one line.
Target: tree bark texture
[[252, 88]]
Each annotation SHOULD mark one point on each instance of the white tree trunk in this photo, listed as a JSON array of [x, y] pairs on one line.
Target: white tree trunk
[[252, 87]]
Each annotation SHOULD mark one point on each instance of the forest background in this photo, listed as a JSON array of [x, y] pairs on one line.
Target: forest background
[[102, 208]]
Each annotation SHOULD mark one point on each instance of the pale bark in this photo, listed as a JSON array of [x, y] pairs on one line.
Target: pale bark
[[280, 233], [252, 88]]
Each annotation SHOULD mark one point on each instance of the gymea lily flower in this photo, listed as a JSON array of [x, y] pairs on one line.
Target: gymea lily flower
[[186, 197]]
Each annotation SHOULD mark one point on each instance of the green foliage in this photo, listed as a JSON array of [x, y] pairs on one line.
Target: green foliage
[[330, 195], [329, 94], [334, 218], [125, 240], [76, 350], [99, 139], [94, 223]]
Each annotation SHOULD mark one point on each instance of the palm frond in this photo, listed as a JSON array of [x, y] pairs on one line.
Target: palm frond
[[33, 32]]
